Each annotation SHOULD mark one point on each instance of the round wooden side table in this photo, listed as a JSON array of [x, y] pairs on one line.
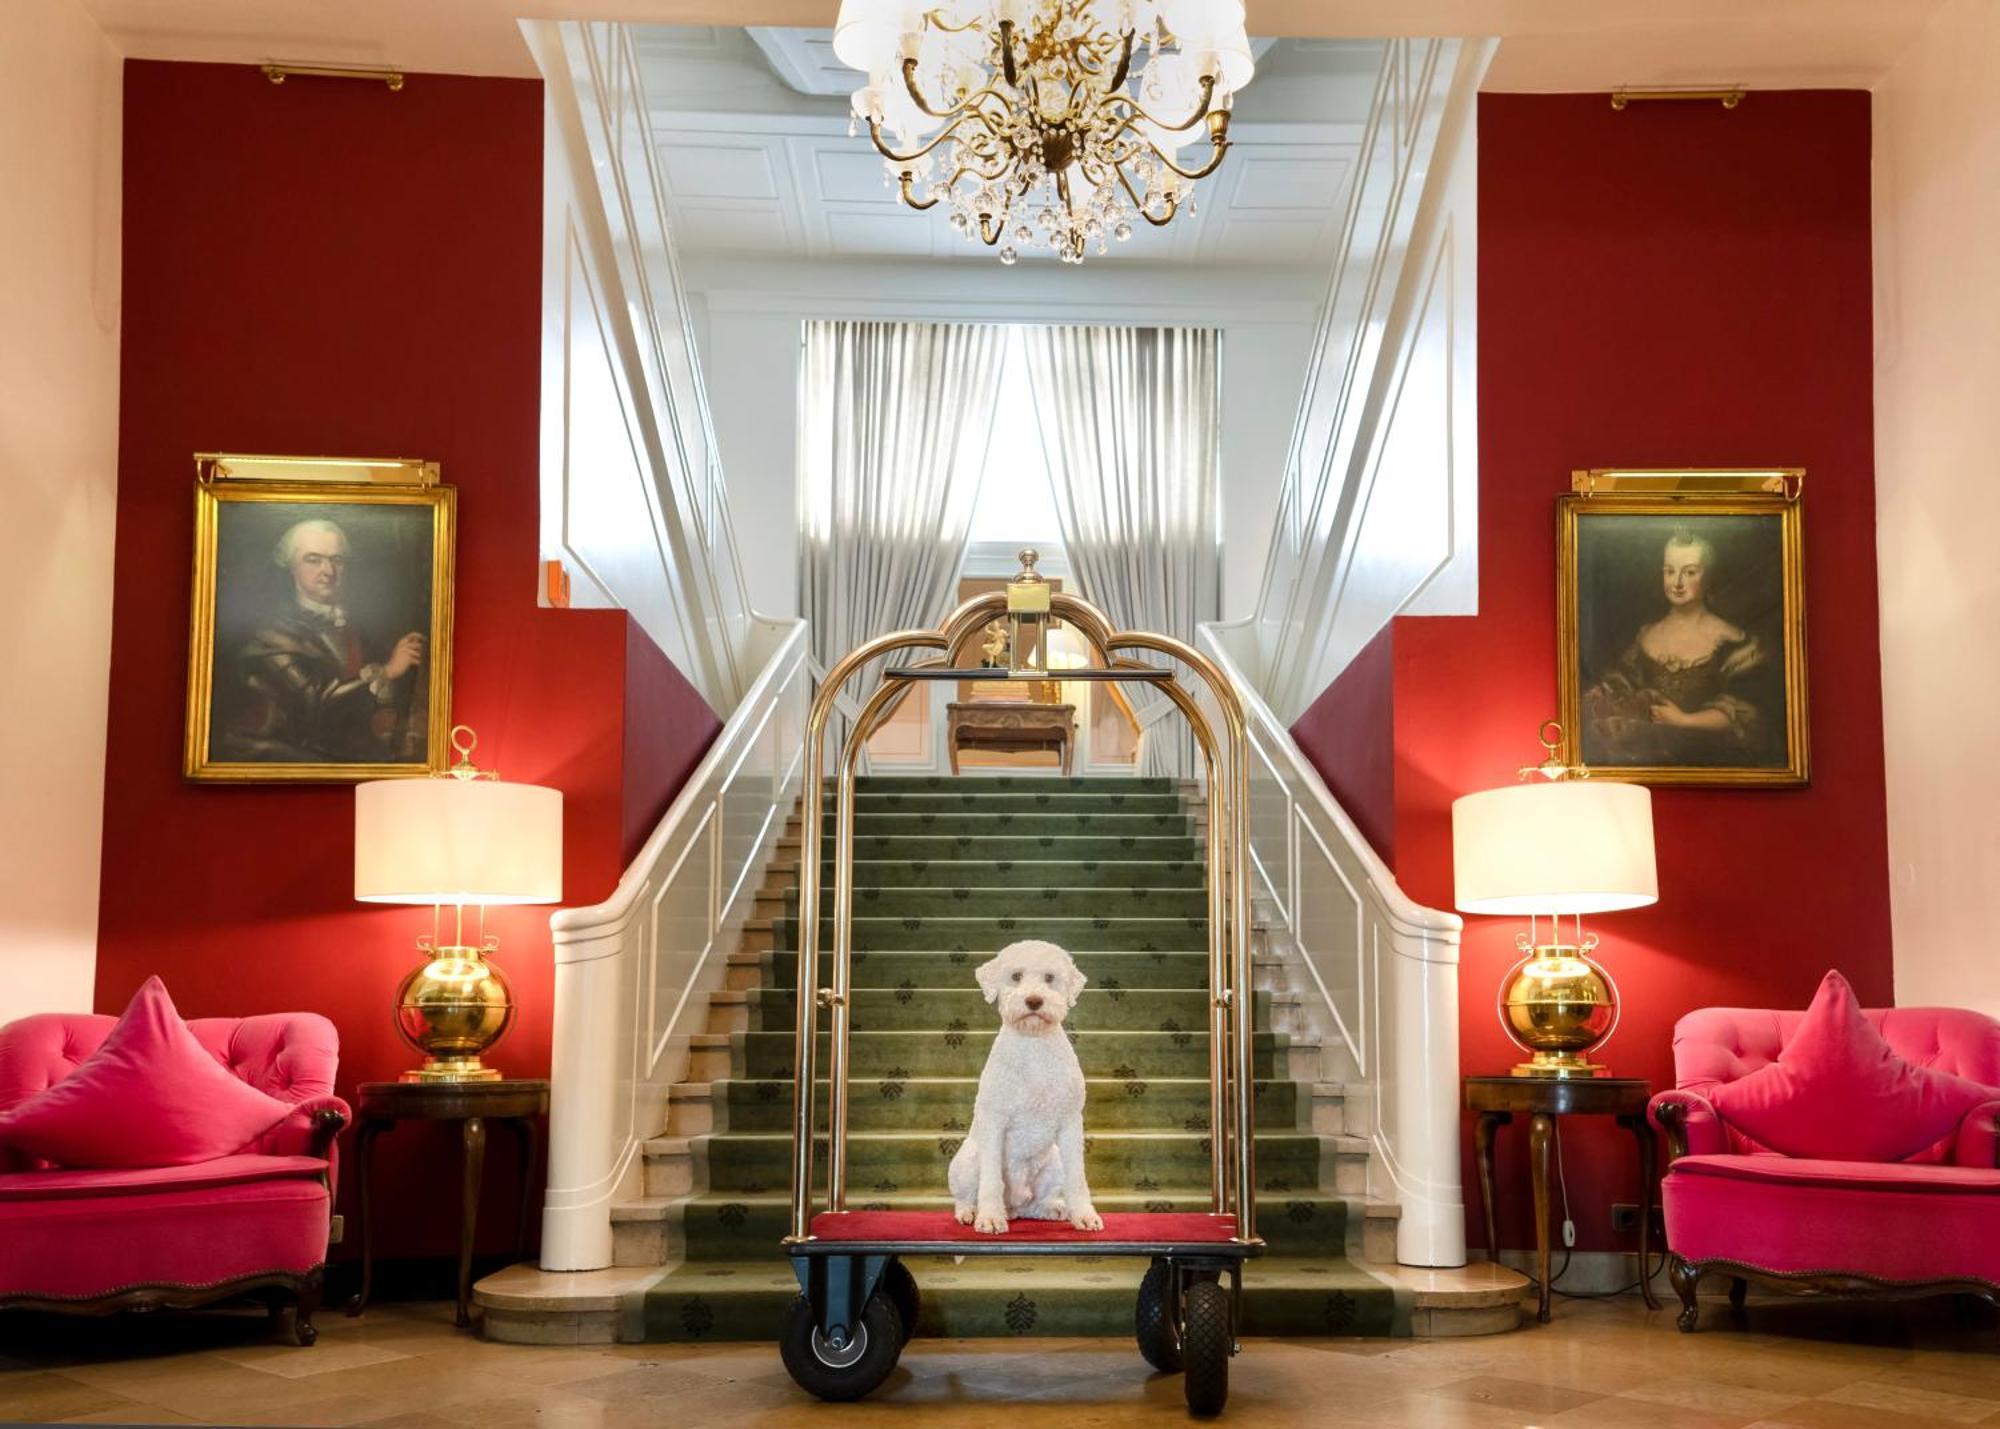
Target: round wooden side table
[[1542, 1100], [515, 1104]]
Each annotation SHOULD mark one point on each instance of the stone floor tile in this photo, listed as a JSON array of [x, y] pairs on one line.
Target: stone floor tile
[[33, 1397], [1534, 1397]]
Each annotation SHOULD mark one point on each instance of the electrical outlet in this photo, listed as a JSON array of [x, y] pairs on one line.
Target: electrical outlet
[[1625, 1220]]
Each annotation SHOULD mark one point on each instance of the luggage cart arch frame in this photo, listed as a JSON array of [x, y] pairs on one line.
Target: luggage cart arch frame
[[846, 1270]]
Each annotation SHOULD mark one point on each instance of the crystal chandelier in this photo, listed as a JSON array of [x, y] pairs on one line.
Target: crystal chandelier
[[1046, 123]]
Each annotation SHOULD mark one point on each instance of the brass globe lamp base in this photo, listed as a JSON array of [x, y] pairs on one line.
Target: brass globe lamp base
[[1558, 1004], [452, 1009]]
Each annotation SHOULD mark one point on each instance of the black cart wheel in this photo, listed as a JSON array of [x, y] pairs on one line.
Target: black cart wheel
[[841, 1372], [1159, 1319], [901, 1286], [1206, 1339]]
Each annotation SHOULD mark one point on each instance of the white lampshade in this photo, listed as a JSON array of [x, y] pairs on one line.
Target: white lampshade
[[868, 34], [475, 841], [1564, 846]]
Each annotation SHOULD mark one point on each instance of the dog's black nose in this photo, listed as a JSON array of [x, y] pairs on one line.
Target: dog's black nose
[[1034, 1004]]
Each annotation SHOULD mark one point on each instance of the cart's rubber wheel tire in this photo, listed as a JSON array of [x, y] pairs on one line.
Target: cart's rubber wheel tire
[[901, 1286], [847, 1374], [1206, 1338], [1159, 1326]]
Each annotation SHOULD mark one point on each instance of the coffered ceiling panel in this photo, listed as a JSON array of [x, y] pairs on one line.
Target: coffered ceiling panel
[[752, 129]]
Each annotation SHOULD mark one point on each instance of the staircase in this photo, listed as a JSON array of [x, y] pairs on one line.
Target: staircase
[[947, 871]]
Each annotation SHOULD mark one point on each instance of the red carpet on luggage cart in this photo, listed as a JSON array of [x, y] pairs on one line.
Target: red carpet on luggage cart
[[941, 1228]]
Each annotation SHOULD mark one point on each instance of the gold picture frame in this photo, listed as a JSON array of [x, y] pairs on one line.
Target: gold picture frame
[[1681, 626], [286, 688]]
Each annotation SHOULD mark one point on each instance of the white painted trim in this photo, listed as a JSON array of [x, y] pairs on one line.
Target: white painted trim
[[610, 1067]]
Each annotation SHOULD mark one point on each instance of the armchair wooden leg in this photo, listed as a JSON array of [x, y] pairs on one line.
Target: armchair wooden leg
[[1684, 1278], [303, 1329]]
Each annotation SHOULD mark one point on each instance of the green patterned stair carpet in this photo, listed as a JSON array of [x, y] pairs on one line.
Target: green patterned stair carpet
[[946, 873]]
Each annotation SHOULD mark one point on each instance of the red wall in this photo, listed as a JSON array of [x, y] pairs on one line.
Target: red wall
[[1682, 286], [330, 268], [1349, 734]]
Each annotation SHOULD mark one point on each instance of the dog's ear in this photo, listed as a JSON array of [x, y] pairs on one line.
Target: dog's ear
[[988, 974], [1073, 983]]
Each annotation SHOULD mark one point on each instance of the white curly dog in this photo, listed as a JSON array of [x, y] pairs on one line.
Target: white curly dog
[[1024, 1155]]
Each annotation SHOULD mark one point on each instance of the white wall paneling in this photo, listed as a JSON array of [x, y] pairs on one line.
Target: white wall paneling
[[1375, 516], [635, 505]]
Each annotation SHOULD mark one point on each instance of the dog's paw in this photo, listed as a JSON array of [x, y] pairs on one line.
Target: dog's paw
[[964, 1214], [1087, 1219], [990, 1223]]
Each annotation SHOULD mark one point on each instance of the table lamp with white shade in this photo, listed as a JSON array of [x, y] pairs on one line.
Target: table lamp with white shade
[[1557, 844], [462, 839]]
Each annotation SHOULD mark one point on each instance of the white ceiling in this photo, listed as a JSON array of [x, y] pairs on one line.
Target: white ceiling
[[1547, 44], [752, 132]]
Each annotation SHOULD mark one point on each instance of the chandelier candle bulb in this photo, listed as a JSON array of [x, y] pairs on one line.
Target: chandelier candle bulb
[[1048, 123]]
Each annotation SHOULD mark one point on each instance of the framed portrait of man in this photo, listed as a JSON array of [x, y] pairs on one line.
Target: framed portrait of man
[[320, 636], [1681, 627]]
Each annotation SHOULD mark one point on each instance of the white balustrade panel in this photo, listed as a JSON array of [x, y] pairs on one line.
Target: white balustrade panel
[[633, 973], [1380, 976], [633, 501], [1377, 513]]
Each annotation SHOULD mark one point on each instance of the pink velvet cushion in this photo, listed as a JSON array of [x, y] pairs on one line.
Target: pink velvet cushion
[[1839, 1091], [150, 1095]]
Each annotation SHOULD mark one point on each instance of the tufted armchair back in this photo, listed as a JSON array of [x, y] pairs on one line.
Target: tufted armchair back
[[1720, 1044], [288, 1055]]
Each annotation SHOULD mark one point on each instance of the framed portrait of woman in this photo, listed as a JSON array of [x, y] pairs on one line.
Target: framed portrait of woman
[[1681, 626], [320, 629]]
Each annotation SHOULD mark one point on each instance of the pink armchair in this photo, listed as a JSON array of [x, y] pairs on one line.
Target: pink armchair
[[251, 1224], [1860, 1214]]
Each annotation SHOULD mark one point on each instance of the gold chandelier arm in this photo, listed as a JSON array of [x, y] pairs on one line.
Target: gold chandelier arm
[[1141, 115], [906, 187], [1124, 65], [950, 131], [1219, 145], [1007, 53], [1140, 204]]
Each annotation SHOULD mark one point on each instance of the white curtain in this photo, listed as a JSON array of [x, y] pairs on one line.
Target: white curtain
[[894, 424], [1130, 420]]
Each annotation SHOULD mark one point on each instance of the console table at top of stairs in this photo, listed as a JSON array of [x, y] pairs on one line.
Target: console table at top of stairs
[[1013, 726]]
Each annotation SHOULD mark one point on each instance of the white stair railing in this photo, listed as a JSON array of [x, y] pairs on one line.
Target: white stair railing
[[634, 505], [1385, 970], [1376, 518]]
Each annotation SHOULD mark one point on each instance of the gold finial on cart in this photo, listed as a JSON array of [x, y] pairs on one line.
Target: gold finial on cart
[[1028, 612]]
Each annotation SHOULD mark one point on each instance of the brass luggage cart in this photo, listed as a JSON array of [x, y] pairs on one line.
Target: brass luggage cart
[[857, 1302]]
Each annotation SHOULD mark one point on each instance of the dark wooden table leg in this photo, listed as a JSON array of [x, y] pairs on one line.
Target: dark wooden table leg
[[1643, 1131], [1482, 1141], [468, 1215], [524, 1131], [364, 1145], [1541, 1135]]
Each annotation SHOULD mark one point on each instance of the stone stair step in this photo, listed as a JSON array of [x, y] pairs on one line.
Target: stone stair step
[[1019, 783], [1019, 873], [1158, 1104], [910, 1008], [994, 843], [868, 803], [916, 1160], [998, 900], [961, 1052], [736, 1225], [987, 934], [1102, 823], [920, 967], [1008, 1296]]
